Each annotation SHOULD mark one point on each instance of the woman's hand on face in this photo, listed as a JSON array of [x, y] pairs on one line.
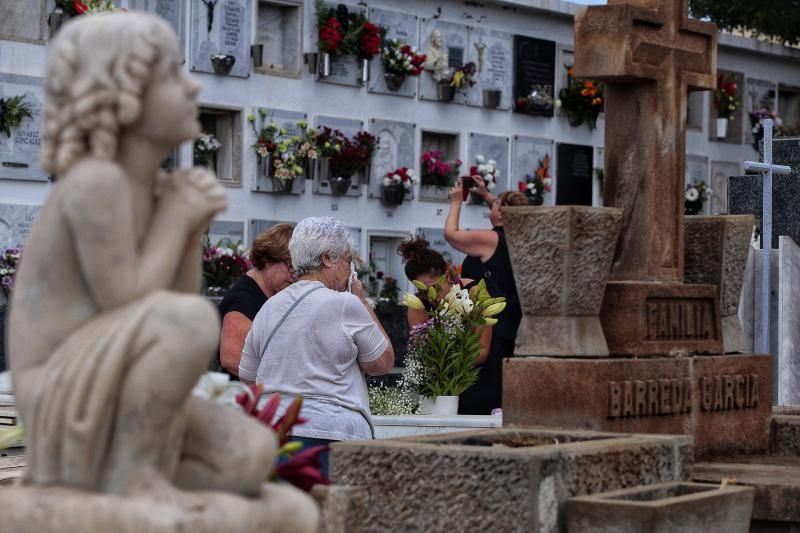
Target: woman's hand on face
[[457, 192], [357, 288]]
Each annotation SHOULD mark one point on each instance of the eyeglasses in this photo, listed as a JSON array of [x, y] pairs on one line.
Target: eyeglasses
[[289, 266]]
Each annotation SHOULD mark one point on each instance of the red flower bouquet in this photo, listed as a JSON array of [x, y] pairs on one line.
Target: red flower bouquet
[[438, 172]]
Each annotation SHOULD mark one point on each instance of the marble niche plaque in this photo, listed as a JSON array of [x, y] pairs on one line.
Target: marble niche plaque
[[720, 172], [405, 28], [435, 236], [231, 230], [285, 119], [491, 147], [526, 152], [491, 51], [697, 170], [395, 149], [534, 65], [20, 153], [355, 234], [257, 226], [221, 27], [15, 224], [456, 42], [345, 69], [758, 94], [171, 10], [23, 21], [575, 174], [348, 126]]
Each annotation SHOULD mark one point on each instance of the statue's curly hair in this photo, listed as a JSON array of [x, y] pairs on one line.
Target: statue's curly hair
[[96, 73]]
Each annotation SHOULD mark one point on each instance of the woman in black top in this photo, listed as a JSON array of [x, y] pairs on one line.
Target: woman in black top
[[271, 272], [489, 258], [426, 265]]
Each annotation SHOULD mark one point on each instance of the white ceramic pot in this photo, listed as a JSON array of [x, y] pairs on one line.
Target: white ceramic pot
[[445, 405], [722, 128]]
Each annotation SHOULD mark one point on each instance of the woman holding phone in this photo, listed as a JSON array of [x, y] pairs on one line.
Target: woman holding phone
[[489, 247]]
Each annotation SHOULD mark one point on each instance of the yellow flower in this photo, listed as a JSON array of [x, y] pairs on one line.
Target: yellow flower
[[418, 284], [458, 79], [494, 309], [490, 321], [9, 436], [412, 302]]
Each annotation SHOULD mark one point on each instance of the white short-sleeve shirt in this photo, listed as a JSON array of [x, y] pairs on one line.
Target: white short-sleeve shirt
[[315, 352]]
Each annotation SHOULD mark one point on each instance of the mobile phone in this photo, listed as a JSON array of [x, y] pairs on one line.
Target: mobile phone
[[466, 184], [352, 277]]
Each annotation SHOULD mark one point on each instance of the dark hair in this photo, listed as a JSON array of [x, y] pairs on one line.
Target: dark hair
[[272, 246], [421, 259]]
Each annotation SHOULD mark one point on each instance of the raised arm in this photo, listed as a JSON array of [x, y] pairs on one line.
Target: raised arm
[[478, 243], [123, 252]]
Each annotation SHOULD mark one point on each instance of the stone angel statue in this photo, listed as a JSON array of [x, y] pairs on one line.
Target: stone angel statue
[[107, 333]]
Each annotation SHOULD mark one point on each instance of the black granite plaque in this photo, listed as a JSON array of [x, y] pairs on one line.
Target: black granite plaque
[[534, 64], [573, 174], [745, 192]]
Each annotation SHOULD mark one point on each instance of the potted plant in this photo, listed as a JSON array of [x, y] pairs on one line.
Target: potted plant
[[537, 183], [538, 100], [399, 61], [448, 344], [283, 157], [12, 112], [342, 157], [461, 79], [223, 264], [206, 147], [582, 100], [9, 261], [396, 185], [486, 169], [757, 124], [369, 45], [438, 172], [726, 103], [695, 196]]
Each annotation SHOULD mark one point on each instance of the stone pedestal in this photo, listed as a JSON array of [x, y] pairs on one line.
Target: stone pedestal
[[561, 257], [724, 401], [716, 254], [661, 318]]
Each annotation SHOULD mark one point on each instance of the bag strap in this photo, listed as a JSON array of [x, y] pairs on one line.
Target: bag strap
[[283, 318]]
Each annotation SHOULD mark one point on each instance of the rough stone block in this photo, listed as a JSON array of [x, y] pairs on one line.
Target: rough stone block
[[499, 480], [663, 508], [724, 401], [561, 257], [716, 254], [784, 435], [343, 508], [661, 318]]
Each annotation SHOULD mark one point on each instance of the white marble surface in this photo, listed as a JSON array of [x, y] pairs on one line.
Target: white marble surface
[[788, 378], [390, 427]]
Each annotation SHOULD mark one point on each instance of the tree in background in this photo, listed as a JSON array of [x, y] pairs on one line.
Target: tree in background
[[777, 20]]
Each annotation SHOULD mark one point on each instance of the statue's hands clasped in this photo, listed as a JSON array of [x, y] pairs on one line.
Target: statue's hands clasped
[[194, 195]]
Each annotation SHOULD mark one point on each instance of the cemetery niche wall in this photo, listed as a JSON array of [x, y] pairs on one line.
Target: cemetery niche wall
[[220, 37]]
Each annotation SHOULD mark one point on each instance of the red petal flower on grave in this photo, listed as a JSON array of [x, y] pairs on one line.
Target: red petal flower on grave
[[79, 7], [522, 186], [303, 469]]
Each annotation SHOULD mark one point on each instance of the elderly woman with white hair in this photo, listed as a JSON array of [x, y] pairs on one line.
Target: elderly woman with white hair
[[316, 338]]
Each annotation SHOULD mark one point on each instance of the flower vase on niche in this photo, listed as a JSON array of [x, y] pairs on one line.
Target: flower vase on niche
[[340, 184], [399, 59], [222, 63], [396, 185], [695, 197], [445, 92], [722, 128], [394, 82], [492, 97], [538, 182], [726, 102], [206, 146], [392, 195]]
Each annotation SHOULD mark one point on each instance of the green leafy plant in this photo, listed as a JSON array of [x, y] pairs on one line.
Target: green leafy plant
[[12, 112], [449, 343], [581, 99]]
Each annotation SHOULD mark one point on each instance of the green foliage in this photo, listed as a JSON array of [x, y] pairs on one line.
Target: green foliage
[[777, 20], [12, 112], [449, 359]]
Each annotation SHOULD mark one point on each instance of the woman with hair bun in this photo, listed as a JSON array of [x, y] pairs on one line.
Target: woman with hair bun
[[426, 265]]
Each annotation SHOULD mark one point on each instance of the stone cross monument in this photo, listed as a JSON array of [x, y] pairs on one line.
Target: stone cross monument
[[649, 53]]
